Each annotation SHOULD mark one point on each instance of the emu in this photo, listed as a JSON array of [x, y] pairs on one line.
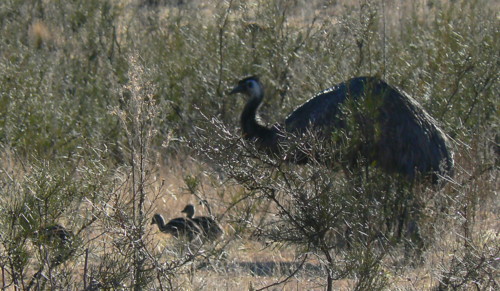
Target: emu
[[211, 229], [61, 246], [60, 239], [178, 227], [403, 139]]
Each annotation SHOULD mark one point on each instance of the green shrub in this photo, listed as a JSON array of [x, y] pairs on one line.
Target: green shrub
[[66, 83]]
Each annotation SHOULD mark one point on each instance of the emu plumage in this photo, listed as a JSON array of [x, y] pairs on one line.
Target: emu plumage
[[208, 225], [408, 140], [178, 227]]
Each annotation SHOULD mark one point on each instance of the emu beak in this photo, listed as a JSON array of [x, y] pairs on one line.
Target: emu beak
[[237, 89]]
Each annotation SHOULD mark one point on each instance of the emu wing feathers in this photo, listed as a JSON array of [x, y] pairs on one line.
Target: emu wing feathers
[[407, 139], [321, 110]]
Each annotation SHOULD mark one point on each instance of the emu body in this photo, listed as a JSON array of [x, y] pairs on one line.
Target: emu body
[[208, 225], [60, 239], [403, 137], [178, 227], [59, 244]]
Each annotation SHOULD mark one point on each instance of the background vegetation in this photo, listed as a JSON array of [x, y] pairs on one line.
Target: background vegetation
[[112, 110]]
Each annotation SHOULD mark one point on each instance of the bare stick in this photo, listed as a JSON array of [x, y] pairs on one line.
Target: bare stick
[[287, 278]]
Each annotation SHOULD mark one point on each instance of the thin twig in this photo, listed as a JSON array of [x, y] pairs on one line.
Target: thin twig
[[287, 278], [85, 269]]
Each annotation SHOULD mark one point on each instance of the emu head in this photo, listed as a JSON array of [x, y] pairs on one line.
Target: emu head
[[249, 86], [189, 210]]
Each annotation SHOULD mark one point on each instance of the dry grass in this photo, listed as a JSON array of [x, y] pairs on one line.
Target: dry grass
[[251, 264], [462, 217]]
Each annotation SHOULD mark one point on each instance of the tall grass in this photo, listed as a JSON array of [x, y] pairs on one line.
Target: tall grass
[[103, 102]]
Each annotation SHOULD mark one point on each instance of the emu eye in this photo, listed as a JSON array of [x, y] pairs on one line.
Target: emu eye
[[250, 84]]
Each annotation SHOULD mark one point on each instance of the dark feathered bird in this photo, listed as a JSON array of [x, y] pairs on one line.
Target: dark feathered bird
[[404, 139], [178, 227], [59, 244], [60, 240], [208, 225]]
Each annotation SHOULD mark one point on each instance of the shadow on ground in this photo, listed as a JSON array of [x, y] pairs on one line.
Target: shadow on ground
[[263, 269]]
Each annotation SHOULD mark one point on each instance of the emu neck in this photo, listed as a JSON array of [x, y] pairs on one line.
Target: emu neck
[[161, 222], [249, 125]]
